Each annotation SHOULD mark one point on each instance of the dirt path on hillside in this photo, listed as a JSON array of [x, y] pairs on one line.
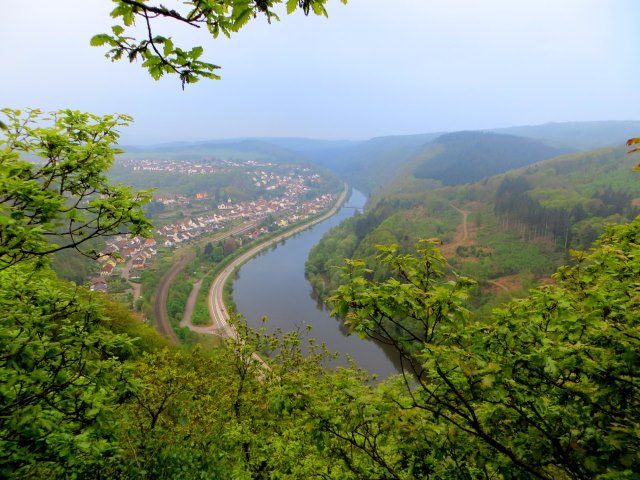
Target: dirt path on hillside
[[465, 223], [499, 285], [136, 288], [462, 236], [191, 303]]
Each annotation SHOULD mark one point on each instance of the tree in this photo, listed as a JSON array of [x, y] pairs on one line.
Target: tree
[[61, 366], [62, 377], [158, 52], [548, 388], [59, 197], [208, 250], [229, 245]]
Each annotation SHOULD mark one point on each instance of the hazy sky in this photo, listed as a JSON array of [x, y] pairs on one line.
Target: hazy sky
[[375, 67]]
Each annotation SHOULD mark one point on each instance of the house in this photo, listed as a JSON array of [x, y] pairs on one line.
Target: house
[[138, 262], [98, 284], [106, 270], [109, 252]]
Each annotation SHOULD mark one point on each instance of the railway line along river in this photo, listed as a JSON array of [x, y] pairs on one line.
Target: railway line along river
[[273, 284]]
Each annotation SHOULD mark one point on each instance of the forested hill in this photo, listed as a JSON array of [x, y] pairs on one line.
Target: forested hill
[[369, 165], [519, 225], [463, 157], [372, 164]]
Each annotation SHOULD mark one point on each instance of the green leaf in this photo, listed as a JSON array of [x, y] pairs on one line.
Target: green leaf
[[319, 9], [100, 39], [168, 47], [195, 52], [242, 18]]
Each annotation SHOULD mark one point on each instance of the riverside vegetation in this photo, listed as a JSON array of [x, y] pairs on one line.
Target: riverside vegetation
[[546, 387]]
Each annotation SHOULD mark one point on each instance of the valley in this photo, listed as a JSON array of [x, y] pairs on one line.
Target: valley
[[490, 299], [509, 231], [320, 239]]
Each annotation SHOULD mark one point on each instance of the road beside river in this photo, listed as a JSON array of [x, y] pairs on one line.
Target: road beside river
[[217, 309], [162, 292]]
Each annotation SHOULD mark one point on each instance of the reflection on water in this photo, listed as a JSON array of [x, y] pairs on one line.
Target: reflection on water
[[273, 285]]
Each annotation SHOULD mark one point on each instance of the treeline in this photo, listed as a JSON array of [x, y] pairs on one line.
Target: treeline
[[519, 210], [523, 223]]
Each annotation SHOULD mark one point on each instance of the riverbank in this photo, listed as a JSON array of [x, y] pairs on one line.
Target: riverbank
[[218, 311], [273, 286]]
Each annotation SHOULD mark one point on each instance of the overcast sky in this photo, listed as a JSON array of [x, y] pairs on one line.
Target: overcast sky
[[375, 67]]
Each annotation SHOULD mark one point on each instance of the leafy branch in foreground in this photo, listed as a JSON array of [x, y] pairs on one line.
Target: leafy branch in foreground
[[159, 54], [61, 378], [60, 192], [548, 388]]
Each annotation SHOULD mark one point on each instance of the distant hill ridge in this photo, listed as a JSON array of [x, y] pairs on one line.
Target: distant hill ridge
[[577, 135], [371, 164], [471, 156], [565, 135]]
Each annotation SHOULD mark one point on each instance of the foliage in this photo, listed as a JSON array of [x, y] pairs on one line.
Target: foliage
[[159, 54], [64, 194], [225, 413], [547, 388], [72, 265], [60, 363], [61, 377], [553, 212], [121, 320], [525, 221]]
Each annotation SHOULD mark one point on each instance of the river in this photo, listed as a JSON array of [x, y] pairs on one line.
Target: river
[[273, 285]]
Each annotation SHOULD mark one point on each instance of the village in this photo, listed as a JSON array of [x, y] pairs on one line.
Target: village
[[127, 257], [204, 167]]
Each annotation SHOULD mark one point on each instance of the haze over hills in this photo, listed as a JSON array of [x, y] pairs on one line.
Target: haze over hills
[[577, 135], [244, 149], [156, 317], [420, 184], [371, 164]]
